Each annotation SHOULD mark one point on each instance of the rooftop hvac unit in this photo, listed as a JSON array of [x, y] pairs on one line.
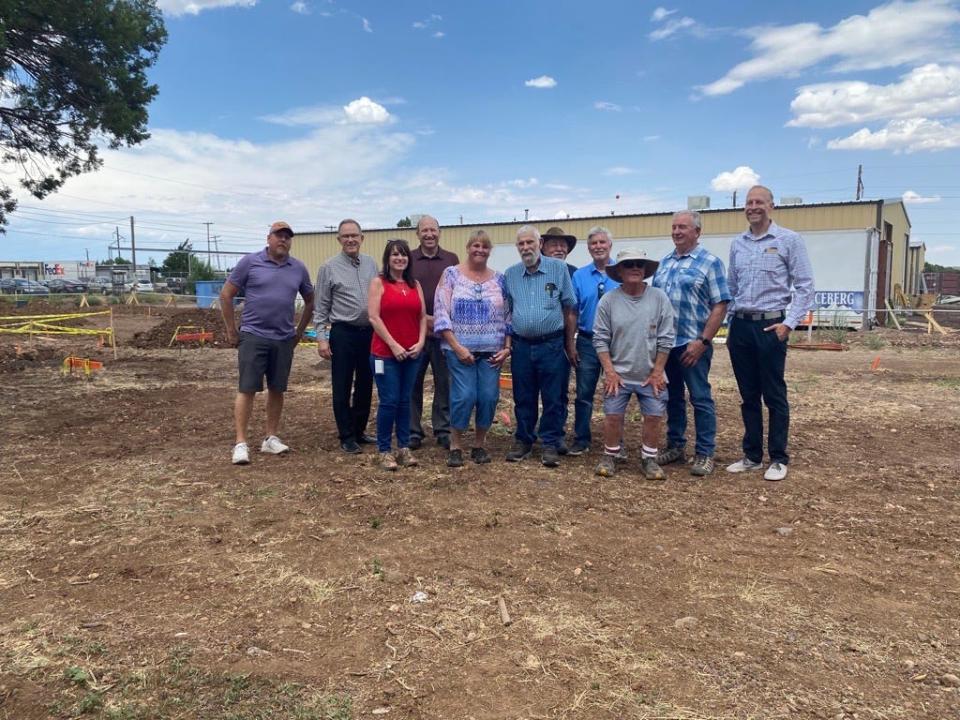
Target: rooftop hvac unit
[[698, 202], [791, 201]]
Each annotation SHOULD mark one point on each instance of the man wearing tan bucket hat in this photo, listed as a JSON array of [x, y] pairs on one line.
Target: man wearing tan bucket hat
[[633, 334]]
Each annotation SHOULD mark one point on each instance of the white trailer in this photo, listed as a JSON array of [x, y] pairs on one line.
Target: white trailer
[[844, 268]]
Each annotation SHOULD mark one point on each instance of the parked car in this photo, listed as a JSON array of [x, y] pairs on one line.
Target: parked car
[[22, 286], [138, 285], [62, 285]]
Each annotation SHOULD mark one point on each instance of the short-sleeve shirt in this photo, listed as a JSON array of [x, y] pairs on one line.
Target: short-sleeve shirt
[[537, 299], [270, 289], [590, 285], [476, 313], [694, 282]]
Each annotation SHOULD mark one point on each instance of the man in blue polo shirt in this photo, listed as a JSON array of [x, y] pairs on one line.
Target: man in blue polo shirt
[[270, 279], [590, 283], [541, 298], [696, 283]]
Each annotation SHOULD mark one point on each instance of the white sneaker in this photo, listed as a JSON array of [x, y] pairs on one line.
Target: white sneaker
[[241, 454], [743, 465], [776, 471], [273, 446]]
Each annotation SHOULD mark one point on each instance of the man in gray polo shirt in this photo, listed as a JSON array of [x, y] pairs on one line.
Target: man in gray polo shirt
[[344, 334], [270, 279]]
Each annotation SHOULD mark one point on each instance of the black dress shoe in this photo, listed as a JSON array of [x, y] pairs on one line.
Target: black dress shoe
[[365, 439], [443, 441], [350, 447], [415, 443]]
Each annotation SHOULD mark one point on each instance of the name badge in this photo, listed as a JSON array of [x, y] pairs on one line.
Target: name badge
[[378, 366], [770, 250]]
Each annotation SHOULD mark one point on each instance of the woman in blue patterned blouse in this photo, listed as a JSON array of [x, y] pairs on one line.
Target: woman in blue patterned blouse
[[471, 315]]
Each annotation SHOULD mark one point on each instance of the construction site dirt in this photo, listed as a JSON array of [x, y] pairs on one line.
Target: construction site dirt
[[144, 576]]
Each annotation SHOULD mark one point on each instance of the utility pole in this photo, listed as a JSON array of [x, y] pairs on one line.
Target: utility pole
[[133, 248], [208, 224], [526, 214], [216, 248], [859, 182], [734, 199], [110, 247]]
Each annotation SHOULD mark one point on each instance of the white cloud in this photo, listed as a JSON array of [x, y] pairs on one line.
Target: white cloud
[[366, 25], [619, 170], [660, 14], [544, 81], [913, 135], [651, 138], [672, 28], [928, 91], [894, 34], [561, 215], [427, 22], [195, 7], [439, 34], [608, 106], [365, 110], [361, 110], [300, 8], [523, 183], [741, 178], [912, 198]]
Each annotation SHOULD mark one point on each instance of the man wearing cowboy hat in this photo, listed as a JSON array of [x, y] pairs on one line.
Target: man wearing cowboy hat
[[557, 244], [633, 335]]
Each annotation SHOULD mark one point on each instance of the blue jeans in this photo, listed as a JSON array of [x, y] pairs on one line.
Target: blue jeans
[[472, 386], [539, 371], [394, 389], [588, 375], [696, 381], [759, 360]]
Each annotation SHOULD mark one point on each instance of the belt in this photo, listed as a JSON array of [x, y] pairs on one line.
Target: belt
[[349, 326], [772, 315], [542, 339], [585, 333]]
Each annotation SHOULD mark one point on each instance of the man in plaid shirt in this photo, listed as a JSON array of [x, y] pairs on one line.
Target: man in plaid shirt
[[696, 283]]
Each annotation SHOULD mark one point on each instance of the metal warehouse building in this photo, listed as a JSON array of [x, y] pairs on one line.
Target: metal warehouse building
[[860, 250]]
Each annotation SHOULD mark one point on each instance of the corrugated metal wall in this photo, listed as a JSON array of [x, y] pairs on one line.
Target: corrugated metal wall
[[315, 248]]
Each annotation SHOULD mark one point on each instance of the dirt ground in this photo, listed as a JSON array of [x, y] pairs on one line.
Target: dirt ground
[[144, 576]]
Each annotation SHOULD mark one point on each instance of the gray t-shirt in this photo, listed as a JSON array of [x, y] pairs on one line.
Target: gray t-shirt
[[633, 330]]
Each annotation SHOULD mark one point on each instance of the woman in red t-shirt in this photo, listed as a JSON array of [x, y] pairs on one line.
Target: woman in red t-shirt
[[399, 323]]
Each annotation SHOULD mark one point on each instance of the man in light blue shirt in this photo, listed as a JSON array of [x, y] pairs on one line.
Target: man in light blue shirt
[[542, 302], [771, 282], [590, 283]]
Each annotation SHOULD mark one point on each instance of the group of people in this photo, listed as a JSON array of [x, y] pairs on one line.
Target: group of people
[[645, 326]]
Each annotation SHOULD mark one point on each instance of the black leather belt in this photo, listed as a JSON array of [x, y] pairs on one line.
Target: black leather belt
[[772, 315], [542, 339]]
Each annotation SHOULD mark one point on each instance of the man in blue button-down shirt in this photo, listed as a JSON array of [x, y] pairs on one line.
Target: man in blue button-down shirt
[[771, 281], [696, 283], [542, 301]]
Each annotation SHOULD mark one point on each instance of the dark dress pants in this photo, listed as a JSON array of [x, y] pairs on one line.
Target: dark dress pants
[[351, 378], [759, 359]]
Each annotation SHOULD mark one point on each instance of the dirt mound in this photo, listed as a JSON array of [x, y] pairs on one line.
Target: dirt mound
[[160, 335]]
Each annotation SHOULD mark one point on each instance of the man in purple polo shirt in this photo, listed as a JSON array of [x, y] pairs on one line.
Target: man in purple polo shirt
[[270, 279]]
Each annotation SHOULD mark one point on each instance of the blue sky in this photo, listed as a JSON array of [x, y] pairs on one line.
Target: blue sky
[[313, 111]]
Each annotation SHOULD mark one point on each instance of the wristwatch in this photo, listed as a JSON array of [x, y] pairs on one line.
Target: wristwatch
[[704, 340]]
